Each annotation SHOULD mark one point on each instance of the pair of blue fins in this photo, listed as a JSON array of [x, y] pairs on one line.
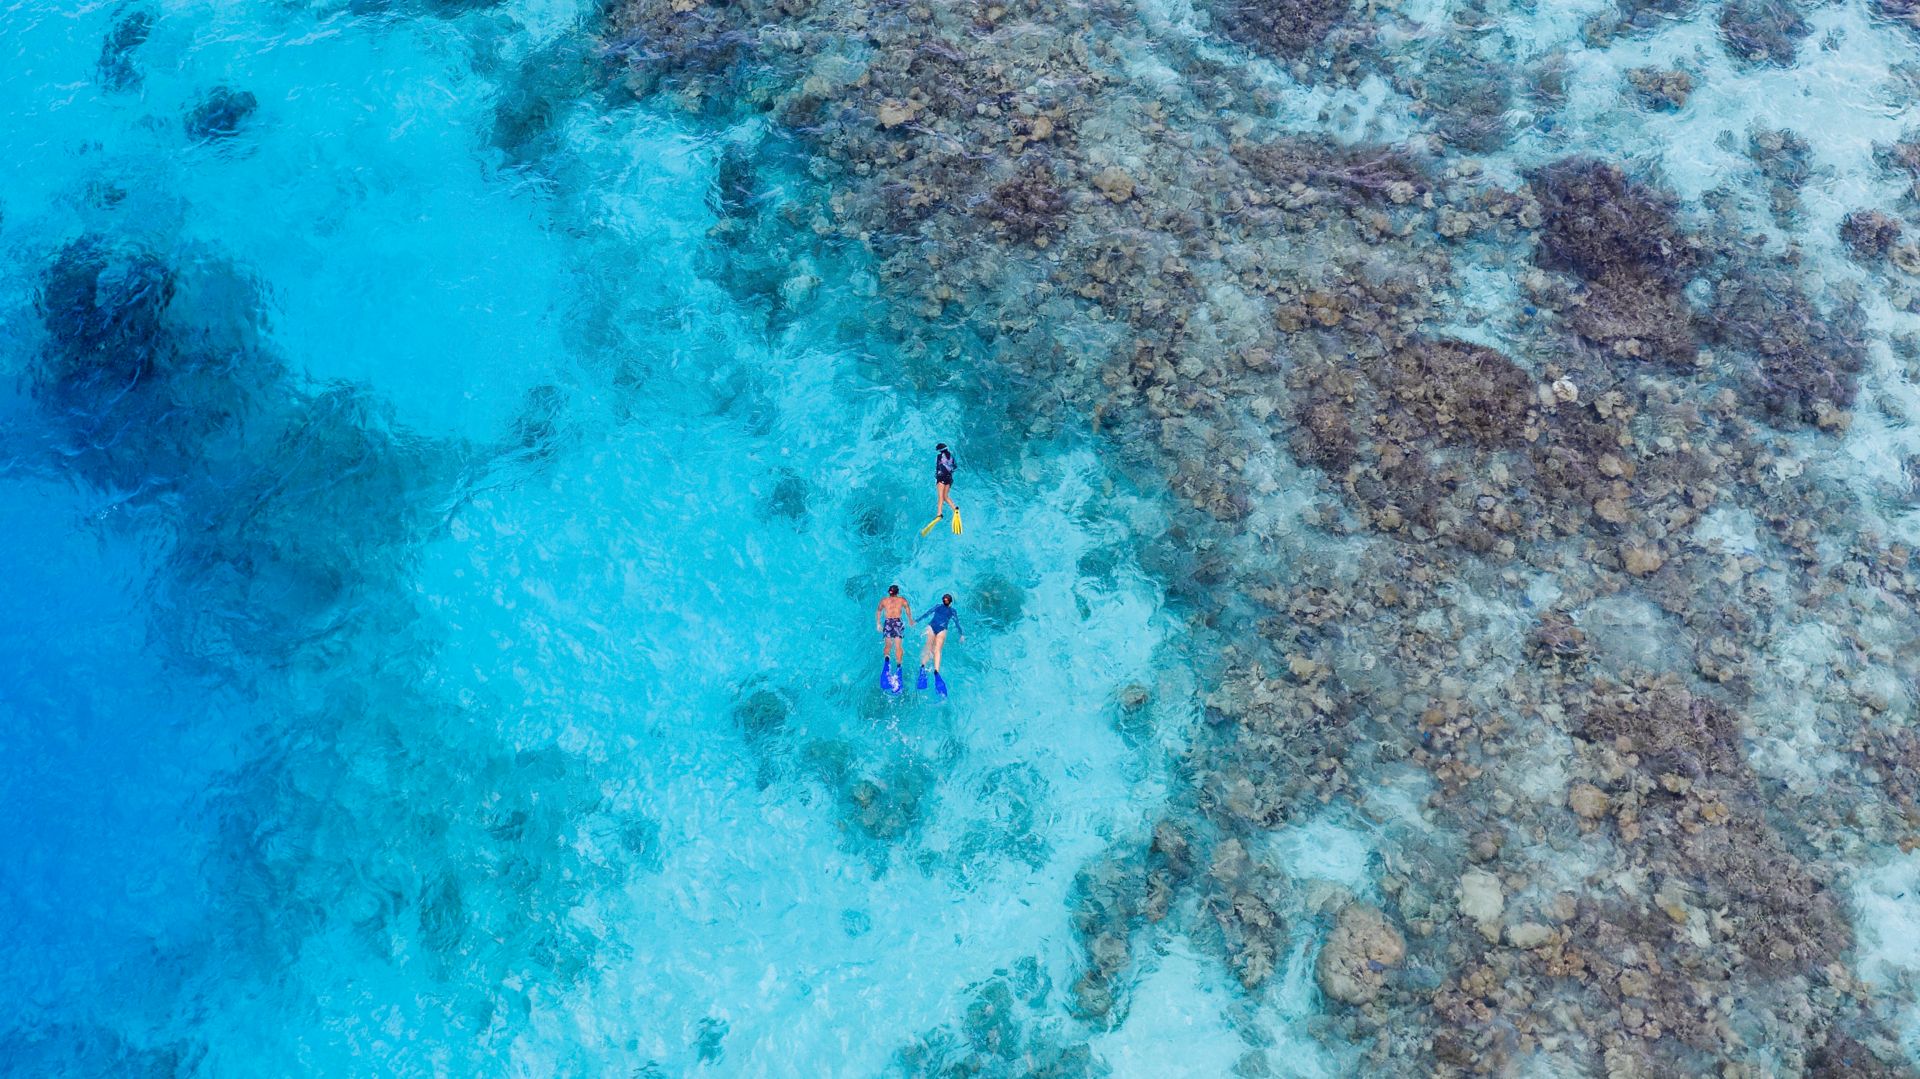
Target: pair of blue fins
[[893, 679]]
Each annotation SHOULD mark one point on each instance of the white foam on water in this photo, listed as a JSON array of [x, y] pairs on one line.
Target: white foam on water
[[1886, 906], [1788, 740]]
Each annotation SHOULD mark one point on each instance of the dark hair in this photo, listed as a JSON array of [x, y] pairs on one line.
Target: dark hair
[[939, 445], [947, 599], [893, 590]]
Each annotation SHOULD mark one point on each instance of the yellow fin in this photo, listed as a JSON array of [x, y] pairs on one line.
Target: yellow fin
[[956, 520], [930, 525]]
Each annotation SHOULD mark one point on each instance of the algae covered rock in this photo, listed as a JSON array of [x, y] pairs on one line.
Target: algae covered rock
[[1660, 89], [104, 306], [1763, 31], [1357, 957], [1597, 221], [1283, 28], [1869, 234]]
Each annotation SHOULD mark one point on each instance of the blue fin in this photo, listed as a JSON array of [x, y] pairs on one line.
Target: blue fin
[[940, 685], [886, 670], [921, 682]]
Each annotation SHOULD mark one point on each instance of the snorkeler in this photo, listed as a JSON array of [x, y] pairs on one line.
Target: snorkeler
[[937, 622], [887, 621], [943, 485], [943, 480]]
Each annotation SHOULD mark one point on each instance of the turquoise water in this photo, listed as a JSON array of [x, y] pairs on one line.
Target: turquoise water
[[443, 542], [472, 673]]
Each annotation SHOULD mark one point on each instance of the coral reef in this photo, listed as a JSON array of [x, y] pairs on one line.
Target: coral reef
[[1870, 234], [1359, 955], [1762, 31], [1492, 561], [1111, 898], [104, 308], [1027, 206], [1598, 223], [1287, 29], [1786, 160], [1469, 98], [1809, 360], [286, 505], [220, 113], [1661, 89], [131, 28]]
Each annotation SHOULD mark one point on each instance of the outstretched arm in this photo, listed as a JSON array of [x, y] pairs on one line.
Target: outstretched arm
[[907, 609]]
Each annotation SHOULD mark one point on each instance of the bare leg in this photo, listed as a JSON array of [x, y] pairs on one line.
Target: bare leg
[[926, 649], [940, 510], [938, 642]]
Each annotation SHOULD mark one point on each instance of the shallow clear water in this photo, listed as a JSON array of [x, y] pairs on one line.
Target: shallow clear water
[[453, 657], [587, 769]]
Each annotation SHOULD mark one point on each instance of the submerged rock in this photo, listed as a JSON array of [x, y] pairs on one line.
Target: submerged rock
[[789, 498], [1481, 900], [220, 113], [761, 714], [1808, 358], [1468, 96], [1869, 234], [1638, 317], [130, 30], [1466, 392], [1282, 28], [1661, 89], [1762, 31], [1114, 183], [1357, 958], [1029, 205], [1587, 801], [1528, 935], [104, 306], [1786, 160], [1597, 222]]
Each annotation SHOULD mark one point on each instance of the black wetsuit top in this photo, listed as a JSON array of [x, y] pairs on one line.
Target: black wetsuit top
[[943, 467]]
